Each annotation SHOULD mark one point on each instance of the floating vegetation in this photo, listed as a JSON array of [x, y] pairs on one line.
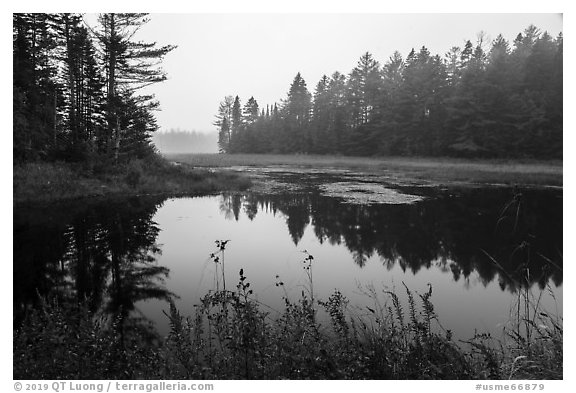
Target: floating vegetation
[[367, 193], [272, 186]]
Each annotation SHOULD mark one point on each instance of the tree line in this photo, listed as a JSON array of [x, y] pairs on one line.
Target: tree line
[[488, 99], [77, 89]]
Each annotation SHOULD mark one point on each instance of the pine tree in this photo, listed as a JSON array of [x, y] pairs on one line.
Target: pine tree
[[466, 53], [479, 106], [82, 96], [276, 130], [250, 111], [452, 62], [392, 81], [138, 124], [224, 136], [364, 86], [364, 89], [321, 117], [297, 110], [223, 122], [419, 110], [35, 91], [338, 113], [236, 125], [130, 65], [246, 136]]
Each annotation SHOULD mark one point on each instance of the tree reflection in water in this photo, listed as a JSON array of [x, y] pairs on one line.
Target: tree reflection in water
[[457, 232], [103, 254]]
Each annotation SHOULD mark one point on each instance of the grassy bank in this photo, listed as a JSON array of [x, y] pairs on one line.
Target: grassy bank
[[48, 182], [232, 336], [442, 170]]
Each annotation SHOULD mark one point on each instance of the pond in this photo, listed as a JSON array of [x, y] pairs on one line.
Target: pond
[[476, 247]]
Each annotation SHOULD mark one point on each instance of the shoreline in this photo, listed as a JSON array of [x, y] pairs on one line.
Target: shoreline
[[198, 174], [443, 171], [46, 183]]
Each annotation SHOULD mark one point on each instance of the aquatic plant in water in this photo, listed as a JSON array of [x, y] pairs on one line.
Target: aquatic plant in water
[[367, 193]]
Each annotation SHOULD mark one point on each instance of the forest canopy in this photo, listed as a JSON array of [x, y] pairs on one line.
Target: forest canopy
[[482, 99], [77, 90], [77, 94]]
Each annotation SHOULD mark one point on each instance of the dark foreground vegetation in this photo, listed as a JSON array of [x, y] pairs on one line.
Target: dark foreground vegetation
[[233, 336]]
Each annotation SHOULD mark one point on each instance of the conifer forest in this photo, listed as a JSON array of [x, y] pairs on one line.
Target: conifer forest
[[481, 99]]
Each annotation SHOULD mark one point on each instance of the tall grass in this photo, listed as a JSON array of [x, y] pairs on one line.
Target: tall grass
[[426, 169], [231, 335], [535, 337], [49, 182]]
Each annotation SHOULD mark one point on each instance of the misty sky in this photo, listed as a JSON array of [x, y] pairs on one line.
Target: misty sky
[[259, 54]]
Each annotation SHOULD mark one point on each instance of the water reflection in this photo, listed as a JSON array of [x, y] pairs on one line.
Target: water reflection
[[513, 237], [102, 253], [108, 252]]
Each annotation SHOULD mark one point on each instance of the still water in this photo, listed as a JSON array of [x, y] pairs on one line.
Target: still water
[[476, 247]]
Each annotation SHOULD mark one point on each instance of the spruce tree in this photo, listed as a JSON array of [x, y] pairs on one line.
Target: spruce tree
[[236, 125], [338, 113], [250, 112], [321, 117], [364, 88], [223, 123], [130, 66], [224, 136], [297, 110], [35, 89]]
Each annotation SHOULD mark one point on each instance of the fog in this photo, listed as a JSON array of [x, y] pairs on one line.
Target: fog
[[182, 141]]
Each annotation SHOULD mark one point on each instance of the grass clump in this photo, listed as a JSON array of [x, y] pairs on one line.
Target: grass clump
[[53, 181]]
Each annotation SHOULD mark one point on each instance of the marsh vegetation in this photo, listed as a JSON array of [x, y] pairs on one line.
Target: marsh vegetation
[[122, 275], [420, 170], [49, 182]]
